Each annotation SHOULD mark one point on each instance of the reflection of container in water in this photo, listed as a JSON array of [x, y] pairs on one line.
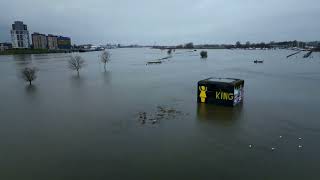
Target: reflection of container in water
[[221, 91], [216, 113]]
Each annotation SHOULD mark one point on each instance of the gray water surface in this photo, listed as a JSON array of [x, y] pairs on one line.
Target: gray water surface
[[68, 127]]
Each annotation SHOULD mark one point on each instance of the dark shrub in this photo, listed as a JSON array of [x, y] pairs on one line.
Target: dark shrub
[[204, 54]]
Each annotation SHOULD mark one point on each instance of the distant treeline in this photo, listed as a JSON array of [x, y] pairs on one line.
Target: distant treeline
[[247, 45]]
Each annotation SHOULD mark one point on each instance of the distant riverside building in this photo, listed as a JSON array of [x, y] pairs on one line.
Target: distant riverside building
[[52, 42], [39, 41], [85, 46], [20, 35], [5, 46], [64, 42], [314, 44]]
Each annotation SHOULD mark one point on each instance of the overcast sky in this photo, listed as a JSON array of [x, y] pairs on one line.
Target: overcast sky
[[166, 21]]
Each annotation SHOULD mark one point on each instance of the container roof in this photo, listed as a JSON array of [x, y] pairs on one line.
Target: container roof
[[221, 80], [226, 80]]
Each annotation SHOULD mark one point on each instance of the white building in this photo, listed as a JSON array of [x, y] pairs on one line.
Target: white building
[[20, 35]]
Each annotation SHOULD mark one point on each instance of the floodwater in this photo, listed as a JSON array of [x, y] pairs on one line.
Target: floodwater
[[68, 127]]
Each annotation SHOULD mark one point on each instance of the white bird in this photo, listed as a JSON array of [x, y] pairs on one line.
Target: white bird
[[280, 136], [250, 146], [273, 149], [300, 146], [300, 138]]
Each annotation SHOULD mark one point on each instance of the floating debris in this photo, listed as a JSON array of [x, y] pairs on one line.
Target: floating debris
[[160, 114], [154, 62], [307, 54], [294, 54], [300, 138], [159, 61], [250, 146], [168, 57], [300, 146], [280, 136], [142, 117], [258, 62], [273, 149]]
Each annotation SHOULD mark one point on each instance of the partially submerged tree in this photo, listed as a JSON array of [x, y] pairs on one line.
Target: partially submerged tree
[[105, 58], [29, 74], [238, 44], [76, 63], [189, 45], [204, 54]]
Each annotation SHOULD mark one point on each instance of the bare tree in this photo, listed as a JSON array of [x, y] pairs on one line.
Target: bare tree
[[76, 63], [29, 74], [105, 58]]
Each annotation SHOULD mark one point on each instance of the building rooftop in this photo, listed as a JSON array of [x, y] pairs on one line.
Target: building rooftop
[[36, 33], [51, 35]]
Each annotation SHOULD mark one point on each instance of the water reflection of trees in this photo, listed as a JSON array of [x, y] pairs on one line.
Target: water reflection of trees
[[77, 81], [107, 76], [31, 90]]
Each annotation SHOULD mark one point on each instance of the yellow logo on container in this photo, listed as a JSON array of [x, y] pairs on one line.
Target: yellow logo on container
[[203, 94], [220, 95]]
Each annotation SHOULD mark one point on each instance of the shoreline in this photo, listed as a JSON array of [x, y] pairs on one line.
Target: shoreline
[[46, 51], [33, 51]]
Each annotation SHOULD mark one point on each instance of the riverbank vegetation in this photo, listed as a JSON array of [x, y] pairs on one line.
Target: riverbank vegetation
[[315, 46], [32, 51]]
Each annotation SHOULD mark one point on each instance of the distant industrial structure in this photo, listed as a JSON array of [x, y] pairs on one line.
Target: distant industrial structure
[[20, 35]]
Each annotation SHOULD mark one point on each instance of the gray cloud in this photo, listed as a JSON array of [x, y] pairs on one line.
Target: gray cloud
[[166, 21]]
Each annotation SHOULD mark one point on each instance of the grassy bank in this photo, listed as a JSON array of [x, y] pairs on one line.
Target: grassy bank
[[32, 51]]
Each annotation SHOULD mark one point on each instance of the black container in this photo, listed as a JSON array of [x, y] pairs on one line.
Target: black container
[[221, 91]]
